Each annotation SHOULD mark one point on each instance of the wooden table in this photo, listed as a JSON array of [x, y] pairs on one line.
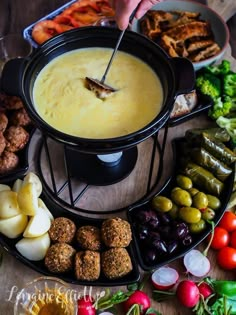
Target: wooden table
[[17, 14]]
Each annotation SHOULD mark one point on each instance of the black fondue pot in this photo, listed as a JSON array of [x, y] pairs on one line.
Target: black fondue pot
[[176, 75]]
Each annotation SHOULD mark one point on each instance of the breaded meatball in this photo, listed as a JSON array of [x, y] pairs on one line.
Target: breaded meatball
[[62, 230], [17, 138], [3, 122], [8, 162], [116, 263], [89, 237], [60, 258], [12, 102], [2, 143], [87, 265], [116, 232], [20, 118]]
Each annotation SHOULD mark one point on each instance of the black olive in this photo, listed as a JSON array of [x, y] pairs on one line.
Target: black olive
[[160, 246], [143, 232], [181, 230], [165, 219], [172, 246], [154, 223], [150, 256], [187, 240]]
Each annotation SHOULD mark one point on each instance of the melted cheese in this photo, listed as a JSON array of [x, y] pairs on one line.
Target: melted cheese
[[63, 101]]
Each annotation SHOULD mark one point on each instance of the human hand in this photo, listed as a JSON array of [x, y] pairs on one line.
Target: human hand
[[124, 9]]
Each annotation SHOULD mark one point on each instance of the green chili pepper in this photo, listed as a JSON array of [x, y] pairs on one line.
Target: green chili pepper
[[227, 288]]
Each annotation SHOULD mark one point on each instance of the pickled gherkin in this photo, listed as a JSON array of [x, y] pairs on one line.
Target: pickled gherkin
[[204, 179], [208, 161]]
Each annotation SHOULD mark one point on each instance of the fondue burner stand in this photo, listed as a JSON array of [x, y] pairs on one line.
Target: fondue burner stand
[[70, 173]]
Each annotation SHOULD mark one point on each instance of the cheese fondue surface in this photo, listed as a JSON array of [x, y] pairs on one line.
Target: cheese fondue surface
[[63, 101]]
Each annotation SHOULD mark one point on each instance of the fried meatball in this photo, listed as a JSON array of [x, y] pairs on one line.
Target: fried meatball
[[60, 258], [20, 118], [2, 143], [89, 237], [87, 265], [8, 162], [3, 122], [62, 230], [116, 232], [12, 102], [116, 263], [17, 138]]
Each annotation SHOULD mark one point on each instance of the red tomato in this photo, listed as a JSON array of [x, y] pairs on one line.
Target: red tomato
[[228, 221], [226, 258], [187, 293], [220, 239], [85, 306], [233, 239]]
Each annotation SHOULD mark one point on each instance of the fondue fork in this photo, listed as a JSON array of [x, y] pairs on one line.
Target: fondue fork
[[101, 89]]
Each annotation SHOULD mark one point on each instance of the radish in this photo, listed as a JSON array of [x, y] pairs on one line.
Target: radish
[[187, 293], [138, 298], [85, 306], [164, 278], [196, 263], [106, 313], [205, 290]]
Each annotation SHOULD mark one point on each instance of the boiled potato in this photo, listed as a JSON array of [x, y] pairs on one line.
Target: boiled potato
[[34, 179], [34, 248], [4, 187], [17, 185], [8, 204], [38, 224], [27, 199], [42, 205], [14, 226]]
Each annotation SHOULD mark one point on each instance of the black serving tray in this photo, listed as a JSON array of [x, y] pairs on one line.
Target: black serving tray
[[57, 211], [165, 190]]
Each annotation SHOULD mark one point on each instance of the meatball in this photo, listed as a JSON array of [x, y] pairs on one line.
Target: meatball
[[116, 263], [12, 102], [2, 143], [87, 265], [116, 233], [3, 122], [59, 258], [17, 138], [20, 118], [62, 230], [89, 237], [8, 162]]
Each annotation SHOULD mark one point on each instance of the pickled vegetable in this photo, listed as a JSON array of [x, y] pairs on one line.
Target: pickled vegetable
[[190, 214], [161, 203], [184, 182], [181, 197], [197, 227], [193, 191], [208, 214], [204, 179], [208, 161], [200, 200], [213, 202]]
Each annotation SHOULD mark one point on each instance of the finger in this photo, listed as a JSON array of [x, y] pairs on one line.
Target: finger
[[144, 6], [123, 11]]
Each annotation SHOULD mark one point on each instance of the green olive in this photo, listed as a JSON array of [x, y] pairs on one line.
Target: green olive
[[197, 227], [174, 211], [193, 191], [184, 182], [208, 214], [190, 214], [161, 203], [175, 188], [213, 202], [181, 197], [200, 200]]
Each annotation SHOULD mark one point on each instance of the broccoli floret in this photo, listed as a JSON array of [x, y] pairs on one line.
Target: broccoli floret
[[221, 107], [229, 84], [222, 68], [209, 84], [230, 126]]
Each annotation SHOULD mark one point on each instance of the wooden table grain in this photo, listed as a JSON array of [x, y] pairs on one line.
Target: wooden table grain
[[15, 16]]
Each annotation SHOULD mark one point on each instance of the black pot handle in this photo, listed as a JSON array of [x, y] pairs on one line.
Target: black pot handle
[[11, 78], [185, 75]]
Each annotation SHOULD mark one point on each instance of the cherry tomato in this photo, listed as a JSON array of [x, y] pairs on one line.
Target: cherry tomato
[[233, 239], [220, 239], [228, 221], [226, 258]]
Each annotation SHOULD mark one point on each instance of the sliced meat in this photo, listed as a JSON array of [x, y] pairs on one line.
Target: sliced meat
[[206, 53]]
